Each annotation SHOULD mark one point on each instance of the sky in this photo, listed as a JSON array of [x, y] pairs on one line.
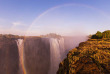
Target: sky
[[65, 17]]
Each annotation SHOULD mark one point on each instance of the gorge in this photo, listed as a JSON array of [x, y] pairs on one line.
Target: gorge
[[35, 55]]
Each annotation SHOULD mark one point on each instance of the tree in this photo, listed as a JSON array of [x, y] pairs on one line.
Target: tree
[[106, 34], [93, 37], [99, 35]]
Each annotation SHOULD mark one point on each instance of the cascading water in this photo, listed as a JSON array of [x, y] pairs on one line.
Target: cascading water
[[62, 48], [21, 63], [38, 53], [41, 55], [55, 55]]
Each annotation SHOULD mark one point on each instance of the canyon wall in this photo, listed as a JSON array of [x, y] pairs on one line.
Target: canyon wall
[[9, 56]]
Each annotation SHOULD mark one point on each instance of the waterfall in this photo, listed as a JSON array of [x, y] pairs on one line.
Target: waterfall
[[62, 48], [56, 52], [40, 55], [35, 55], [20, 48]]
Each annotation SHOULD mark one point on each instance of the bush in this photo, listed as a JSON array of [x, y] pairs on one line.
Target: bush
[[99, 35], [106, 34]]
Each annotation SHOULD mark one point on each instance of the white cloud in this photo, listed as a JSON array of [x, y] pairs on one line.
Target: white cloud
[[17, 23]]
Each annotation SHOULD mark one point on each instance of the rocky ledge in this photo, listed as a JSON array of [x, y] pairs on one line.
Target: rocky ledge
[[91, 57]]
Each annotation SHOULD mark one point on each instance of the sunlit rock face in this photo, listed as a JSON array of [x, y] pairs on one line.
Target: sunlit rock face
[[37, 55], [9, 56], [90, 57]]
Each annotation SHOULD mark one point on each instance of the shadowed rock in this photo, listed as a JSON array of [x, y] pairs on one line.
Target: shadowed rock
[[37, 55], [9, 56]]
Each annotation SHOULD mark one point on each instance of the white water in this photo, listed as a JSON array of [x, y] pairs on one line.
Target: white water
[[56, 51], [20, 48], [62, 48]]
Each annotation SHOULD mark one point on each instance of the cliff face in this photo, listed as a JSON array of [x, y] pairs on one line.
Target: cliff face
[[9, 56], [37, 55], [91, 57]]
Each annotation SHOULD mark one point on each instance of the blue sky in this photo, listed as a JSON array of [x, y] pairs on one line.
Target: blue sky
[[65, 17]]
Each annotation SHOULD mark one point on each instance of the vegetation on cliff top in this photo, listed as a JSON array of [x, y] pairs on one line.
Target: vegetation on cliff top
[[100, 35], [11, 36]]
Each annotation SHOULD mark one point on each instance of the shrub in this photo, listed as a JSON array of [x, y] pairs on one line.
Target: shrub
[[99, 35]]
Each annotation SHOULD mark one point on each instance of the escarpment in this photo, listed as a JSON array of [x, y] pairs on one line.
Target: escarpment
[[90, 57]]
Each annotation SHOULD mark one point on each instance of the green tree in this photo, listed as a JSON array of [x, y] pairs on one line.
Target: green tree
[[106, 34], [93, 37], [99, 35]]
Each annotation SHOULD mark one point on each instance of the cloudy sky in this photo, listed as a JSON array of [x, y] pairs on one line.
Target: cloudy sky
[[65, 17]]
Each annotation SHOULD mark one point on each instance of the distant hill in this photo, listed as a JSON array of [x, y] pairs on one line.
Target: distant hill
[[51, 35], [11, 36]]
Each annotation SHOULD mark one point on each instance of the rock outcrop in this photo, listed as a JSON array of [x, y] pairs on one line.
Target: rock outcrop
[[90, 57]]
